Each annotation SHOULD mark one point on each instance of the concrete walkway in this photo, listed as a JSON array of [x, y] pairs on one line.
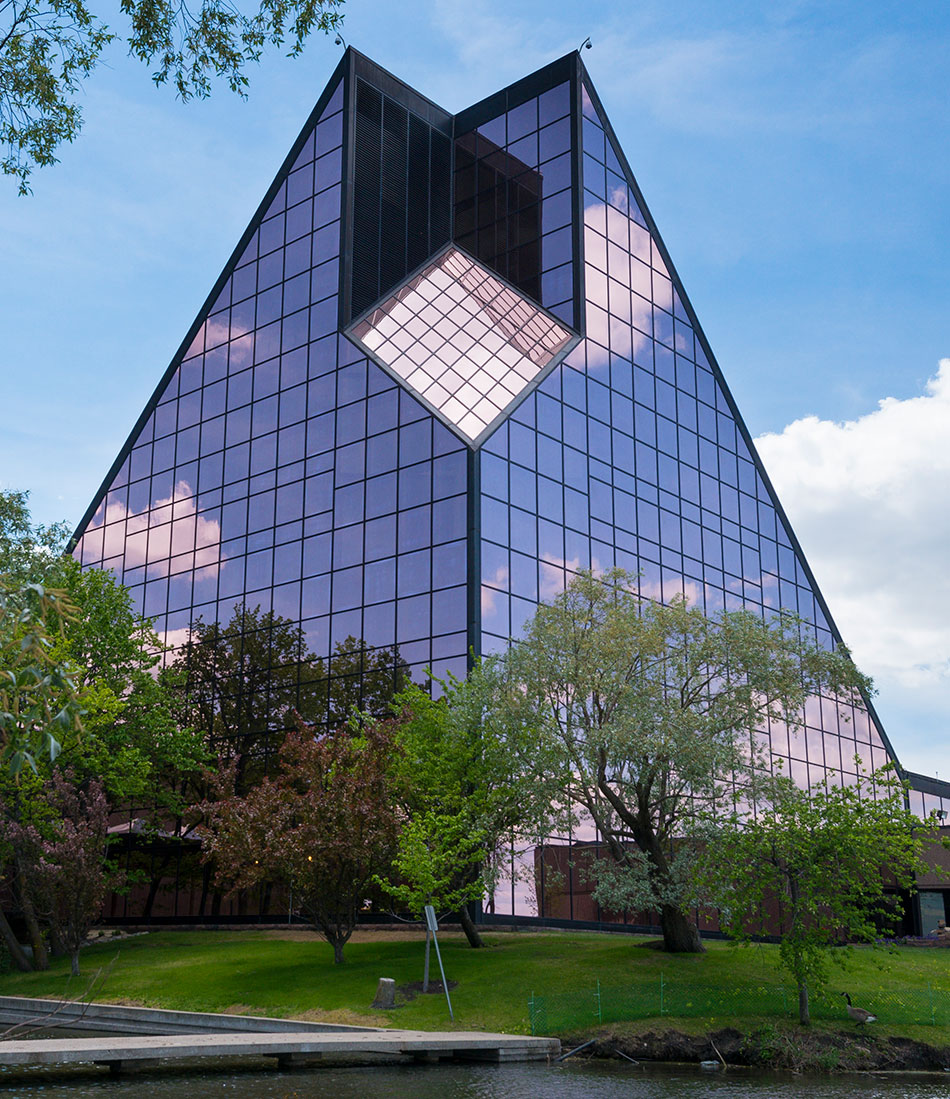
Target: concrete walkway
[[287, 1041], [120, 1019]]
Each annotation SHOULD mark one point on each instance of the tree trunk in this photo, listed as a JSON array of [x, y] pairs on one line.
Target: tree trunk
[[680, 936], [17, 954], [154, 885], [468, 926], [337, 952], [804, 1013], [40, 957], [205, 888], [56, 945], [74, 962]]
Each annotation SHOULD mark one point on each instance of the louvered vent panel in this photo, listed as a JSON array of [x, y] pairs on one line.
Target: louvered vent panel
[[418, 248], [393, 182], [366, 201], [440, 225], [402, 211]]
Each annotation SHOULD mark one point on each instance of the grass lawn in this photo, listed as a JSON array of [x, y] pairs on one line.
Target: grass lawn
[[292, 974]]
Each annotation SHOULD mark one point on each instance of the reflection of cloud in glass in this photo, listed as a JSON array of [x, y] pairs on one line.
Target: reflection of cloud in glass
[[150, 538], [214, 333], [499, 579], [174, 639], [632, 316], [552, 581]]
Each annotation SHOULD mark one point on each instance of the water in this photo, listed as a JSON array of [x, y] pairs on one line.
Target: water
[[591, 1080]]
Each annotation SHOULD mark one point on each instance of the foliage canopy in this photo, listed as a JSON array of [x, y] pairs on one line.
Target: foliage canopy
[[462, 790], [49, 47], [822, 856], [324, 826], [86, 727], [643, 710]]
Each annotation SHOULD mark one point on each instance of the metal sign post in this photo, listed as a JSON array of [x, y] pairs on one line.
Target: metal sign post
[[432, 926]]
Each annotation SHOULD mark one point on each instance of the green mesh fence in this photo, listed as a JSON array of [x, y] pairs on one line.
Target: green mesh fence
[[659, 997]]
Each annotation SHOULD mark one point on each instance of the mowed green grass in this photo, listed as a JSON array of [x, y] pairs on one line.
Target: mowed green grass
[[292, 974]]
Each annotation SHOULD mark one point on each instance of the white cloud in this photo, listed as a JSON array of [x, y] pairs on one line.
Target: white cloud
[[868, 499]]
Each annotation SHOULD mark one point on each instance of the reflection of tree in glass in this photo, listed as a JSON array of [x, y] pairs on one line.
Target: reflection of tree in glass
[[361, 679], [244, 684]]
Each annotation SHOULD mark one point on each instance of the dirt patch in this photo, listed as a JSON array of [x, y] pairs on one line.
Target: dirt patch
[[343, 1016], [414, 988], [775, 1048]]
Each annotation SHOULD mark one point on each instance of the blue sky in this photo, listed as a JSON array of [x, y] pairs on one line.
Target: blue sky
[[795, 157]]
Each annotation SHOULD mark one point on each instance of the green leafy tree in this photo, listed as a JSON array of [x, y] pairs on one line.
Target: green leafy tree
[[29, 552], [39, 696], [39, 686], [462, 791], [825, 855], [642, 710], [243, 685], [72, 644], [324, 826], [133, 743], [77, 652], [49, 47]]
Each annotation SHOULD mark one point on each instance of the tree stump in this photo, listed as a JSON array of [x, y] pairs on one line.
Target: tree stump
[[385, 994]]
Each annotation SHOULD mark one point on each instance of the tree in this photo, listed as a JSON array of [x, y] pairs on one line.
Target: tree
[[69, 875], [642, 710], [70, 652], [243, 685], [49, 47], [826, 855], [28, 552], [324, 826], [39, 696], [133, 741], [462, 791], [71, 645]]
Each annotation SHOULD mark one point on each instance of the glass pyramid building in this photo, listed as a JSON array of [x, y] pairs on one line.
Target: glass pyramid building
[[449, 362]]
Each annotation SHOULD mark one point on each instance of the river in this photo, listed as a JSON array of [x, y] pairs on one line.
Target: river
[[578, 1080]]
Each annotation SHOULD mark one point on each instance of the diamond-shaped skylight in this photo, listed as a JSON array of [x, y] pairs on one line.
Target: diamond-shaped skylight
[[463, 340]]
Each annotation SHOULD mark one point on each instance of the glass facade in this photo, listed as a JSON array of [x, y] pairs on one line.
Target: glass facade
[[630, 454], [280, 469], [515, 186], [398, 518]]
